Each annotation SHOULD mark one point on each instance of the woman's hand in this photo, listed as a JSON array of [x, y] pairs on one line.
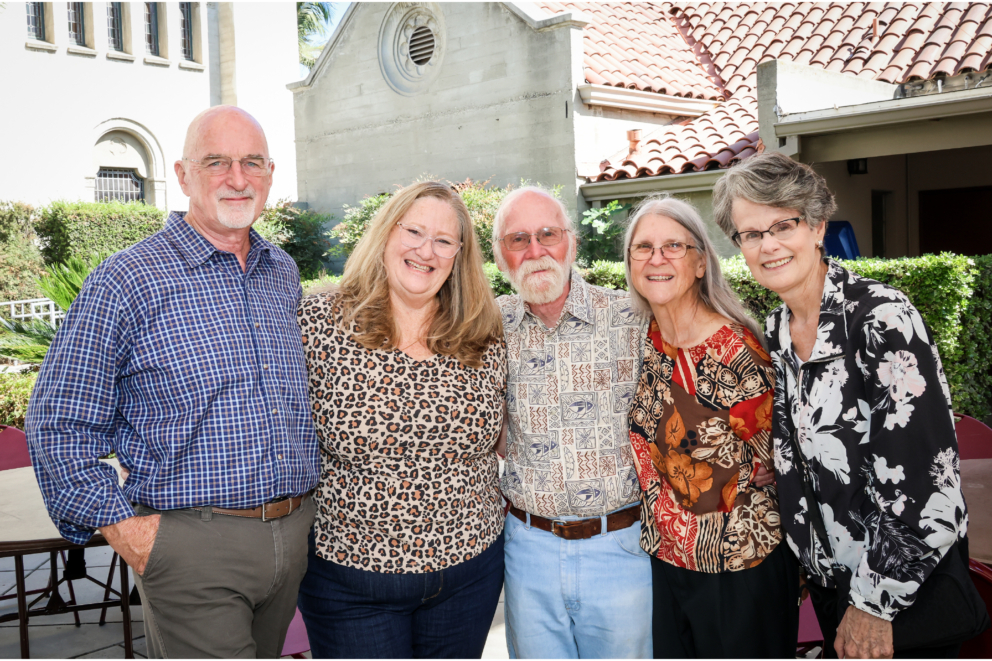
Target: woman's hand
[[763, 477], [862, 635]]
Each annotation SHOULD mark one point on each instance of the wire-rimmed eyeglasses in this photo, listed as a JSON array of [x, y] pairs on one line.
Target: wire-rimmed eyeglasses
[[783, 229], [546, 236], [412, 236], [672, 250], [251, 166]]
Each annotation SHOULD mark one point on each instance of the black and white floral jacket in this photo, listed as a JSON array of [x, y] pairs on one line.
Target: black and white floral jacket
[[873, 414]]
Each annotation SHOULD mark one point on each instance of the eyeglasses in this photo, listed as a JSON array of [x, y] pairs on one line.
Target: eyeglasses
[[672, 250], [412, 236], [783, 229], [251, 166], [546, 236]]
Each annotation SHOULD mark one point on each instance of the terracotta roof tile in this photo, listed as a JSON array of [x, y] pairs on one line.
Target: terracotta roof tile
[[709, 49]]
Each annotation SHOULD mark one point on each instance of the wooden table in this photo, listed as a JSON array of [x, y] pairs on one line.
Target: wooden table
[[26, 528], [976, 483]]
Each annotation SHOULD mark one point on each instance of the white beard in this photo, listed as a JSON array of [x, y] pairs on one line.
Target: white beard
[[237, 219], [542, 288]]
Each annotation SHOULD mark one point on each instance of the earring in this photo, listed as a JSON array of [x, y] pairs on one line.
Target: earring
[[819, 244]]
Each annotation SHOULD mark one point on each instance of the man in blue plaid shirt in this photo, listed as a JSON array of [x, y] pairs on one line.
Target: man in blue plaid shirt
[[182, 355]]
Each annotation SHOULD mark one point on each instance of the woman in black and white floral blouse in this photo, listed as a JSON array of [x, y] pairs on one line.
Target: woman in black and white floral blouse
[[859, 381]]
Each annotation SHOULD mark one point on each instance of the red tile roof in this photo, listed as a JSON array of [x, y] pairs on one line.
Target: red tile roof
[[638, 46]]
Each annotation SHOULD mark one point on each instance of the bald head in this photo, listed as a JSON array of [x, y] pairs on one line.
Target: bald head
[[219, 118]]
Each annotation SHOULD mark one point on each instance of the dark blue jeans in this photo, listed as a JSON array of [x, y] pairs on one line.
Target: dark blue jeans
[[354, 614]]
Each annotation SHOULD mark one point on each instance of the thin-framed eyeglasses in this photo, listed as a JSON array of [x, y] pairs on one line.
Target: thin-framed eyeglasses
[[251, 166], [783, 229], [412, 236], [672, 250], [546, 236]]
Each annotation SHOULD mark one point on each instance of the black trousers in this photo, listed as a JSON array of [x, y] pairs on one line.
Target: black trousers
[[753, 613], [825, 604]]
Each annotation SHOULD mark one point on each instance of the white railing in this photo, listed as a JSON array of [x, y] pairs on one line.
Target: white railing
[[34, 308]]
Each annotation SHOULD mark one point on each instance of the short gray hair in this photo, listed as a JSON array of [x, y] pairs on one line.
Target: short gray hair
[[499, 220], [773, 180], [714, 291]]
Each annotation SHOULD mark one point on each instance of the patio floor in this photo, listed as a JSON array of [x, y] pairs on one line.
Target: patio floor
[[57, 636]]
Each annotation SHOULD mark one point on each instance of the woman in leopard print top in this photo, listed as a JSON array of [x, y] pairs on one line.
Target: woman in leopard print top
[[407, 380]]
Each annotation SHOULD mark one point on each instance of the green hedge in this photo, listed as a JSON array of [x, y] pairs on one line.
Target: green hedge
[[953, 294], [20, 259], [300, 233], [79, 229], [14, 392]]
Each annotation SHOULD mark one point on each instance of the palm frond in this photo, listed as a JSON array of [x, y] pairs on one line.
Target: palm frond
[[26, 341], [64, 281]]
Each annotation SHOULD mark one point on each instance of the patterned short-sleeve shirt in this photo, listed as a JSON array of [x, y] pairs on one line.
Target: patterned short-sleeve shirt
[[701, 418], [568, 394], [409, 475]]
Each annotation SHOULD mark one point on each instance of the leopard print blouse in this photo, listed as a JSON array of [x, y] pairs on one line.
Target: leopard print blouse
[[409, 474]]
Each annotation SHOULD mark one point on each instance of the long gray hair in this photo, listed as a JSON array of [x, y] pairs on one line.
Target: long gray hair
[[714, 292]]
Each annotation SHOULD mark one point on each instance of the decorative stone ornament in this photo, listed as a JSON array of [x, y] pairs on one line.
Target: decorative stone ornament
[[411, 46]]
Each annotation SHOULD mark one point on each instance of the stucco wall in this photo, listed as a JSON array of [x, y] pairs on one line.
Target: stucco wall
[[496, 111], [904, 176], [57, 104]]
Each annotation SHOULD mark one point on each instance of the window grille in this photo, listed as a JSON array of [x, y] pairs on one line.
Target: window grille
[[115, 28], [186, 28], [123, 185], [77, 31], [151, 28], [36, 20]]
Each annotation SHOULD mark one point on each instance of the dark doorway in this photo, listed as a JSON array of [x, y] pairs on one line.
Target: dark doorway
[[957, 220], [880, 203]]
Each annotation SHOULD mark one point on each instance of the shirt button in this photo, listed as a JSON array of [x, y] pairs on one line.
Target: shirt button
[[280, 456], [275, 411], [256, 325], [265, 367]]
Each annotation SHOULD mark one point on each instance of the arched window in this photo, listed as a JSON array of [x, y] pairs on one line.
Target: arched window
[[117, 184]]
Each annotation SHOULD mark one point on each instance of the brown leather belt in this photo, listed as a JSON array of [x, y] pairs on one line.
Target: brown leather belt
[[272, 510], [583, 528]]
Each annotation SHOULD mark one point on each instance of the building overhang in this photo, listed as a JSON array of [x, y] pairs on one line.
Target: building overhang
[[670, 183], [628, 99]]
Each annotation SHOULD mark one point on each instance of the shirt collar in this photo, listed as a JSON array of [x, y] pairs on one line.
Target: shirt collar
[[831, 331], [195, 248], [578, 304]]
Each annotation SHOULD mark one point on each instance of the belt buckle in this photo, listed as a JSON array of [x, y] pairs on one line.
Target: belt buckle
[[558, 526], [263, 513]]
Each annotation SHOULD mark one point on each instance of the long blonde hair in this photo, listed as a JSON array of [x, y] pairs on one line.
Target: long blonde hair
[[466, 320]]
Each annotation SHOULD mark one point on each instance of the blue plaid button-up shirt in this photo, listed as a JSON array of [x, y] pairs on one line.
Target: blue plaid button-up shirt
[[187, 367]]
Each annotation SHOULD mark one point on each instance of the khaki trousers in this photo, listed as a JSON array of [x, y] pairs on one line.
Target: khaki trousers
[[218, 586]]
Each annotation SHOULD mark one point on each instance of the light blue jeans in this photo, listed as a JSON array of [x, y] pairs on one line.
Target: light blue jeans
[[578, 599]]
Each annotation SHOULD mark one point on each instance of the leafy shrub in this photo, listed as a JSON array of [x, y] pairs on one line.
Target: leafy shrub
[[321, 281], [16, 219], [602, 233], [82, 228], [300, 233], [15, 389], [20, 264], [481, 199], [953, 294]]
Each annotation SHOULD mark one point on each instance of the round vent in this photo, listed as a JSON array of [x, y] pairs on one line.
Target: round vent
[[422, 45]]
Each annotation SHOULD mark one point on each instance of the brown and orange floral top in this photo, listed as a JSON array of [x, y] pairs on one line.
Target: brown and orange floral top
[[700, 420], [409, 477]]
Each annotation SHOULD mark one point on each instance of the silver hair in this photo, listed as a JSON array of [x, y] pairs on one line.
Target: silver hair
[[499, 221], [713, 290], [773, 180]]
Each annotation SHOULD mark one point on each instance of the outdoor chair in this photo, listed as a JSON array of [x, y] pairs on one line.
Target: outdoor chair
[[974, 438], [980, 647], [14, 454], [296, 638]]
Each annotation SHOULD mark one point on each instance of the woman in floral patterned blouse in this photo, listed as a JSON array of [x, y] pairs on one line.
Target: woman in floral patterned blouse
[[860, 391], [700, 427]]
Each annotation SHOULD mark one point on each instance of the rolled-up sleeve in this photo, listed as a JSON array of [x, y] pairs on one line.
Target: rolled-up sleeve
[[913, 472], [72, 414]]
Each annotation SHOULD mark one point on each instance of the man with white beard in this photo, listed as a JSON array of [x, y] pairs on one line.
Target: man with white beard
[[182, 354], [577, 583]]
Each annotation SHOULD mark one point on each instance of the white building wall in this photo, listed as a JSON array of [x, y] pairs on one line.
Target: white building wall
[[500, 109], [57, 104]]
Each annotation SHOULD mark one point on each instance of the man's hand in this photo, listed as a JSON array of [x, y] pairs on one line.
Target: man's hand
[[862, 635], [133, 539], [763, 477]]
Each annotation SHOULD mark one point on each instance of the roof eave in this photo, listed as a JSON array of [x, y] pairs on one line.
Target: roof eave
[[538, 19], [628, 99], [670, 183]]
